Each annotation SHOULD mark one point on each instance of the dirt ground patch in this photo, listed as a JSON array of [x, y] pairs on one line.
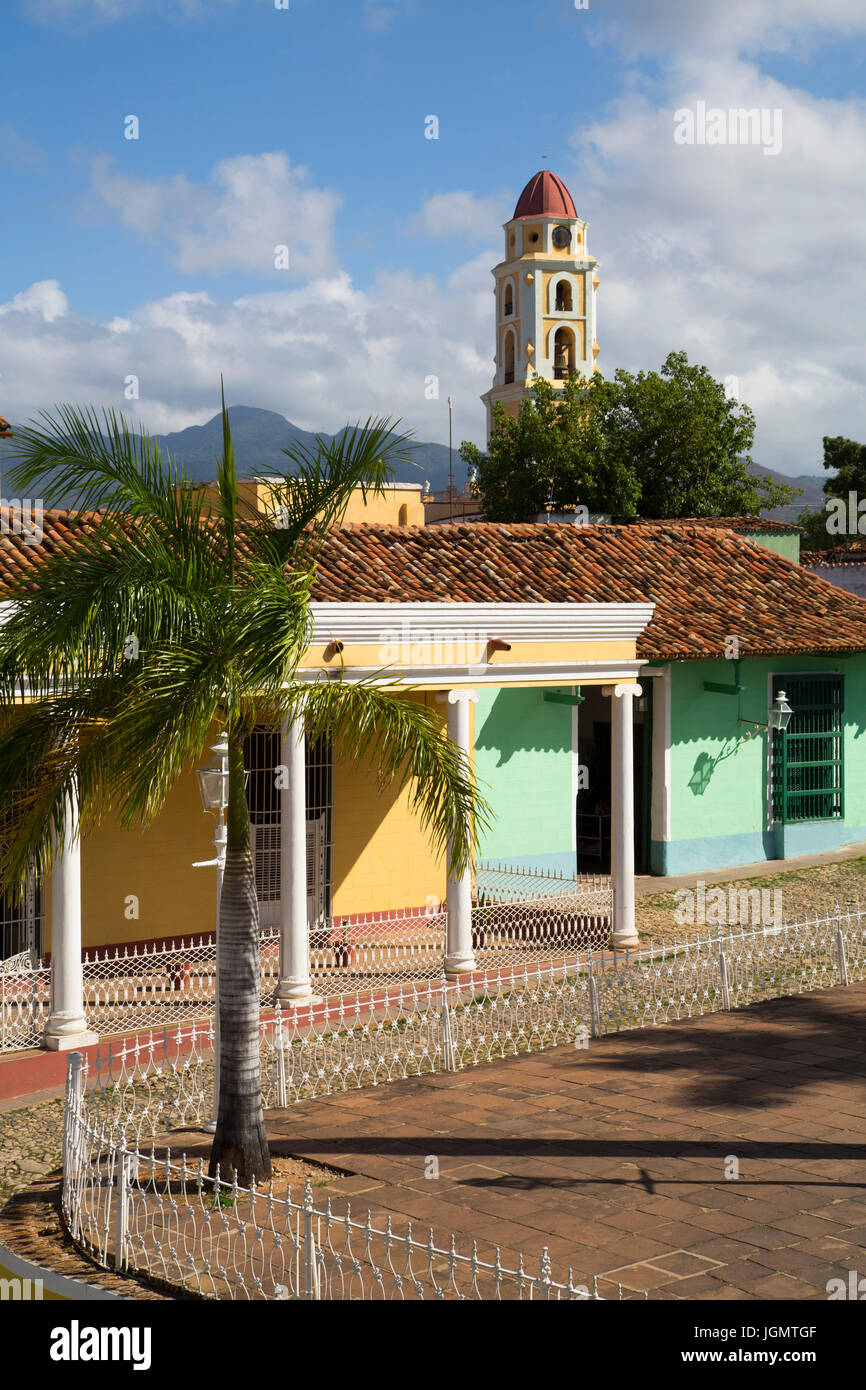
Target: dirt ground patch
[[805, 893], [287, 1173]]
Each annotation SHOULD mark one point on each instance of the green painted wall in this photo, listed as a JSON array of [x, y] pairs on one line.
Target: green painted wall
[[719, 773], [785, 543], [523, 762]]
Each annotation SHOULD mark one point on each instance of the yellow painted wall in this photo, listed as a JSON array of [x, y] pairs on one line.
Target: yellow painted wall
[[387, 510], [394, 652], [156, 866], [382, 859]]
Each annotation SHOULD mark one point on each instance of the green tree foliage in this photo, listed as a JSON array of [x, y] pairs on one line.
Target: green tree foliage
[[554, 448], [845, 459], [652, 444]]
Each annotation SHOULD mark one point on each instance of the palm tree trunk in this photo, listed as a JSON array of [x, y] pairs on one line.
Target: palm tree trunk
[[240, 1144]]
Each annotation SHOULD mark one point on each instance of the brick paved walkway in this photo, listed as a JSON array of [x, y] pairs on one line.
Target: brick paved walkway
[[614, 1157]]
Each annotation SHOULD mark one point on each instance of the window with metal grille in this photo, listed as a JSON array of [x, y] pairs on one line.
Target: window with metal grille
[[21, 922], [21, 918], [262, 758], [808, 758]]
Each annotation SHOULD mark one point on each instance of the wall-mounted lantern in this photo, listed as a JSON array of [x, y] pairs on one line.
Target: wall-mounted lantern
[[778, 715]]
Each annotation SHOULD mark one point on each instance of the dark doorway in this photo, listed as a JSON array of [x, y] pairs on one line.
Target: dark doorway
[[593, 802]]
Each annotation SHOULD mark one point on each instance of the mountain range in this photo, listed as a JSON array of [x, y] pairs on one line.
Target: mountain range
[[260, 436]]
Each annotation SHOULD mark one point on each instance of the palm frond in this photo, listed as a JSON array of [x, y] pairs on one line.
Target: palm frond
[[99, 458], [227, 486], [406, 743], [313, 495], [79, 608]]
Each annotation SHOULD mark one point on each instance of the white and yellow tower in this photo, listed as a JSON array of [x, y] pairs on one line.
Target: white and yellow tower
[[545, 295]]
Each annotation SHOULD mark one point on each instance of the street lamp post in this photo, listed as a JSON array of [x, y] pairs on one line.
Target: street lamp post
[[213, 782]]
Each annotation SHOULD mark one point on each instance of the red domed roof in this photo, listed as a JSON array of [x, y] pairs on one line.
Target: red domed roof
[[545, 196]]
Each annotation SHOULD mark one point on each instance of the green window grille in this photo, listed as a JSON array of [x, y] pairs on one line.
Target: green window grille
[[808, 758]]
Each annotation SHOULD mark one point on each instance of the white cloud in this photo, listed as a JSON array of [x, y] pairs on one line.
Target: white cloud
[[755, 265], [731, 27], [251, 205], [321, 354], [378, 17], [44, 300], [460, 214]]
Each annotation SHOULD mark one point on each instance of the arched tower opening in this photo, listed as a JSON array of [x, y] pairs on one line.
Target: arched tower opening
[[563, 354]]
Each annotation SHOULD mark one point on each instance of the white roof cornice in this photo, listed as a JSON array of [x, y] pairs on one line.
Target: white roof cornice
[[516, 622]]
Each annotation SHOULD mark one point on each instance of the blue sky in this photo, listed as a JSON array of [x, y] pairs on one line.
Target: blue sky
[[346, 97], [154, 257]]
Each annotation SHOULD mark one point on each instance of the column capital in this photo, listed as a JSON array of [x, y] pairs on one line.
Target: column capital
[[450, 697], [622, 688]]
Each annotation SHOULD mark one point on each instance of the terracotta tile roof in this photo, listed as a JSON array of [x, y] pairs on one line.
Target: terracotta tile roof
[[730, 523], [706, 583], [59, 529], [850, 552]]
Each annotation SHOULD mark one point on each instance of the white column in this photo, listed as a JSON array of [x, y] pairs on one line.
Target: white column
[[295, 986], [459, 957], [67, 1026], [622, 813]]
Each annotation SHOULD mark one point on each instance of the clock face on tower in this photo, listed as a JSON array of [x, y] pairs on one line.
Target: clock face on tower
[[561, 237]]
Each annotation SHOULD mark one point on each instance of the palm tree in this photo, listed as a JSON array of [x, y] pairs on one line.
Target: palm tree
[[179, 612]]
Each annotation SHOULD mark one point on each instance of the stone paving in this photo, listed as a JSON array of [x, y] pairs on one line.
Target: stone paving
[[30, 1143], [617, 1157]]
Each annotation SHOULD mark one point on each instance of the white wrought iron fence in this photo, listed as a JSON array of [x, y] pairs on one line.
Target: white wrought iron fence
[[496, 882], [152, 1213], [368, 1039], [25, 1002], [520, 912], [143, 987], [163, 1217], [518, 917], [725, 970], [143, 1087], [384, 948]]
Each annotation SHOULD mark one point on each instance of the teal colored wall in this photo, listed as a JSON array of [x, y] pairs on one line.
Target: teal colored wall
[[785, 543], [719, 810], [523, 762]]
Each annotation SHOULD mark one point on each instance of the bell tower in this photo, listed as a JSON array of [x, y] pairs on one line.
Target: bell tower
[[545, 295]]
